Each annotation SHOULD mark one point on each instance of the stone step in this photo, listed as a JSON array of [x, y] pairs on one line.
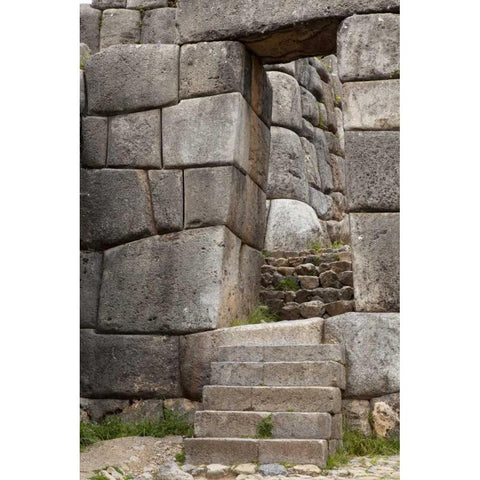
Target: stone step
[[282, 353], [241, 450], [322, 374], [272, 399], [301, 425]]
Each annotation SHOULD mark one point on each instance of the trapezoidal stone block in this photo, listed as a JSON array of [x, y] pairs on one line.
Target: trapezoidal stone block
[[369, 47], [176, 283], [90, 280], [373, 171], [119, 26], [376, 261], [123, 366], [90, 26], [125, 78], [114, 207], [94, 141], [158, 26]]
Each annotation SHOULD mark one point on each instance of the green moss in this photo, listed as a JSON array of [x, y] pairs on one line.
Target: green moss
[[288, 284], [265, 428], [337, 244], [180, 457], [395, 73], [261, 314]]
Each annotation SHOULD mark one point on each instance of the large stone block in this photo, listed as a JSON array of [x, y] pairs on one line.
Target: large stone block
[[158, 26], [339, 231], [286, 102], [321, 148], [83, 98], [250, 263], [309, 106], [376, 262], [125, 366], [356, 413], [371, 105], [373, 167], [281, 67], [119, 26], [311, 164], [166, 188], [114, 207], [94, 141], [261, 91], [321, 203], [125, 78], [90, 280], [134, 140], [225, 196], [144, 4], [371, 343], [293, 451], [210, 68], [293, 225], [176, 283], [287, 176], [103, 4], [337, 165], [90, 26], [369, 47]]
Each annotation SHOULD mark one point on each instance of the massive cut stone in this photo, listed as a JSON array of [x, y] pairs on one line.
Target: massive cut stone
[[225, 196], [176, 283], [158, 26], [261, 91], [369, 47], [371, 105], [321, 203], [90, 26], [309, 106], [199, 350], [293, 225], [114, 207], [287, 176], [356, 413], [134, 140], [166, 187], [144, 4], [275, 30], [286, 103], [372, 343], [119, 26], [321, 148], [103, 4], [311, 164], [90, 280], [376, 263], [124, 78], [373, 164], [125, 366], [337, 165], [249, 269], [94, 141], [281, 67]]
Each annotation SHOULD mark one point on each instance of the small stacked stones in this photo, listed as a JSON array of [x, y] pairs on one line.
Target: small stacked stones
[[308, 284]]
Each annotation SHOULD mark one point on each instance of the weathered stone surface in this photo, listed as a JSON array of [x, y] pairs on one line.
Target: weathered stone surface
[[322, 116], [225, 196], [340, 130], [287, 176], [373, 171], [199, 350], [309, 282], [314, 308], [94, 141], [281, 67], [220, 450], [183, 406], [175, 283], [309, 106], [142, 410], [369, 47], [261, 91], [337, 165], [210, 68], [320, 68], [221, 424], [346, 278], [124, 78], [361, 113], [271, 469], [128, 365], [329, 279], [292, 225], [306, 469], [286, 102], [171, 471], [98, 408], [337, 308], [321, 203], [158, 26], [90, 280], [119, 26], [114, 207], [376, 264], [144, 4], [249, 279], [245, 469], [90, 26], [339, 231], [301, 425], [293, 451], [83, 99], [134, 140], [372, 342], [103, 4], [339, 205], [385, 420], [355, 413], [311, 165], [321, 147], [166, 187]]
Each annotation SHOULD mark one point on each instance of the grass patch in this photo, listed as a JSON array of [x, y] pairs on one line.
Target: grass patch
[[316, 246], [337, 244], [114, 427], [288, 284], [180, 457], [265, 428], [261, 314]]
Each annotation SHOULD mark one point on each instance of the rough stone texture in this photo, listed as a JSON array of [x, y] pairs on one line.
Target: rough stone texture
[[309, 106], [337, 165], [355, 413], [373, 168], [292, 225], [90, 26], [311, 165], [371, 105], [293, 451], [141, 410], [83, 99], [124, 78], [337, 308], [144, 4], [248, 286], [128, 365], [369, 47], [199, 350], [371, 341], [321, 203], [321, 147], [134, 140], [385, 420], [323, 73], [220, 424], [166, 187], [103, 4], [209, 450], [94, 141], [281, 67], [158, 26], [175, 283], [287, 177], [119, 26], [286, 103], [271, 469], [339, 205], [340, 131], [376, 263], [183, 406], [90, 280], [114, 207], [171, 471], [98, 409], [210, 68], [301, 425], [339, 231], [225, 196]]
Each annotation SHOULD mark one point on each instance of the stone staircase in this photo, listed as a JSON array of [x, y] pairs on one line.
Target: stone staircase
[[296, 387]]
